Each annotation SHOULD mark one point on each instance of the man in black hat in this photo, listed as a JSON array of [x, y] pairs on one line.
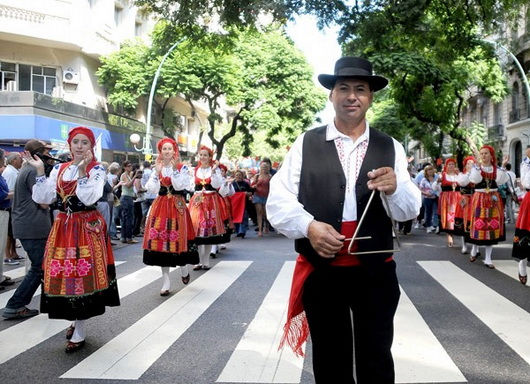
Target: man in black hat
[[317, 198], [31, 225]]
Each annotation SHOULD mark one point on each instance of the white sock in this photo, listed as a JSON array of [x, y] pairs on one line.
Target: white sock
[[214, 249], [474, 250], [79, 331], [487, 259], [464, 245], [184, 271], [204, 254], [165, 279], [522, 267]]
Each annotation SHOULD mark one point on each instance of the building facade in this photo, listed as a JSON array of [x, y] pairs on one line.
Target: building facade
[[49, 53], [508, 122]]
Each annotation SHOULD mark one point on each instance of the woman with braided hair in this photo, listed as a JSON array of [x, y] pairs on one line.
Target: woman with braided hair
[[487, 220], [78, 264], [168, 234]]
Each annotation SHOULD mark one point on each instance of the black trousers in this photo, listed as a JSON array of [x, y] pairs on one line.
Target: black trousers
[[331, 296]]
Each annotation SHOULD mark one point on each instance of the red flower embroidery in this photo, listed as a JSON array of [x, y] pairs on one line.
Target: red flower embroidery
[[83, 267], [55, 268], [173, 235], [162, 235], [153, 234], [69, 268]]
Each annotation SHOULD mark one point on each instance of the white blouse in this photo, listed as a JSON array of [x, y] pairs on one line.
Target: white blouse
[[179, 179], [437, 187], [217, 180], [227, 189], [89, 189], [475, 175], [525, 173]]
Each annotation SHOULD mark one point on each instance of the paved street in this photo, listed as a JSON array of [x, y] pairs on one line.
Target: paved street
[[457, 322]]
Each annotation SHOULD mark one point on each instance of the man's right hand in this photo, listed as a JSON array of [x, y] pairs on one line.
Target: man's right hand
[[325, 240]]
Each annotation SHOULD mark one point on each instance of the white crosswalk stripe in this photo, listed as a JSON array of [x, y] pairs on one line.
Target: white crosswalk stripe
[[130, 354], [419, 356], [501, 315], [27, 334], [257, 359]]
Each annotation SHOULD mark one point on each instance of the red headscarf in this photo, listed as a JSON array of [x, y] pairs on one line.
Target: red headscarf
[[88, 133], [492, 153], [84, 131], [210, 151], [223, 167], [464, 163], [165, 140], [450, 160]]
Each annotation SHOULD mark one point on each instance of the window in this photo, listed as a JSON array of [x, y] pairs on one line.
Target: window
[[118, 15], [138, 28], [8, 76]]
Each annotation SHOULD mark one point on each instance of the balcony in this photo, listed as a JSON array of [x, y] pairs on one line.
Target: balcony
[[514, 116], [495, 131]]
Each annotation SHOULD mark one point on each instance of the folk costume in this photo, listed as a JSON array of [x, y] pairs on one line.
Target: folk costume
[[207, 211], [487, 220], [449, 208], [463, 222], [78, 264], [169, 234], [324, 290], [521, 239], [226, 191]]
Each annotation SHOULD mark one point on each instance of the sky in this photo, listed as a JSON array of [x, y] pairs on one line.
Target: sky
[[319, 47]]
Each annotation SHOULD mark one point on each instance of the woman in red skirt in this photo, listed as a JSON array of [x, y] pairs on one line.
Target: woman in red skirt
[[226, 190], [487, 221], [521, 240], [449, 208], [168, 234], [206, 207], [78, 264], [464, 211]]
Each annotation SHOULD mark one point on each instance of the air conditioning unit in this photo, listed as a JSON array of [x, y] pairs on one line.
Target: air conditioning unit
[[70, 76], [11, 86]]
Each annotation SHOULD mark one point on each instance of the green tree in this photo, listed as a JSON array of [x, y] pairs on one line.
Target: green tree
[[260, 75]]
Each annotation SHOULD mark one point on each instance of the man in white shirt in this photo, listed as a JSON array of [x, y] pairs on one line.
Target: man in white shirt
[[316, 198], [10, 174]]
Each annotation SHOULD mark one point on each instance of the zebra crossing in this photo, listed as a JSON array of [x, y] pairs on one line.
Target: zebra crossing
[[420, 356]]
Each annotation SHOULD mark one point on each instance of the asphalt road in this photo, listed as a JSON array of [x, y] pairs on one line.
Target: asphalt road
[[458, 322]]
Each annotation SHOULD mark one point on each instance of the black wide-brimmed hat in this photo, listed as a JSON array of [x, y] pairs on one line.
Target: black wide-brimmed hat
[[355, 67]]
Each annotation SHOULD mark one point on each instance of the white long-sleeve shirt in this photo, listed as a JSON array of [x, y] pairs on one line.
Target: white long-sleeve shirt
[[217, 180], [287, 214], [475, 175], [227, 189], [180, 180], [89, 189], [525, 173]]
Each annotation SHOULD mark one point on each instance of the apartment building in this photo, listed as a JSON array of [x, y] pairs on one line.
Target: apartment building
[[49, 53], [508, 122]]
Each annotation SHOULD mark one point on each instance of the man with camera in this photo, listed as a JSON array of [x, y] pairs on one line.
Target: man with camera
[[31, 225]]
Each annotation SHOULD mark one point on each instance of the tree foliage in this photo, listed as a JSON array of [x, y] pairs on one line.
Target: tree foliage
[[265, 81]]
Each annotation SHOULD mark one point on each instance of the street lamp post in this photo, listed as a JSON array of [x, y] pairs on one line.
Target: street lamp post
[[135, 138]]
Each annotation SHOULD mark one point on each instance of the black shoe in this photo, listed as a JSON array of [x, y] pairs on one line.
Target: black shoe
[[164, 293], [198, 267], [186, 279], [213, 255]]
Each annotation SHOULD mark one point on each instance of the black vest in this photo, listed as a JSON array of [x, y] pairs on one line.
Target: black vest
[[322, 193]]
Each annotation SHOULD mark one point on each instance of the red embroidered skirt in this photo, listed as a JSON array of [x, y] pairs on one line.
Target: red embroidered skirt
[[487, 218], [169, 234], [208, 215], [449, 210], [78, 266], [521, 239]]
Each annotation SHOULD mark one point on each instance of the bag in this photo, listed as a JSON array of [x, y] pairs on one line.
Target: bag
[[117, 192], [116, 202]]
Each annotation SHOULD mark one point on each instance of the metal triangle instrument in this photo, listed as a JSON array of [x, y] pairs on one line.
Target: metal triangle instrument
[[355, 238]]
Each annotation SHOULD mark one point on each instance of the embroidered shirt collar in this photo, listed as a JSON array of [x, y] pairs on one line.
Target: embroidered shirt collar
[[333, 133]]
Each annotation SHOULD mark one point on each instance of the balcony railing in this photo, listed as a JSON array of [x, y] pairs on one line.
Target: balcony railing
[[495, 131]]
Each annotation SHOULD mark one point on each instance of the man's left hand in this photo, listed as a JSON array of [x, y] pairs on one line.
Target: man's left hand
[[383, 179]]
